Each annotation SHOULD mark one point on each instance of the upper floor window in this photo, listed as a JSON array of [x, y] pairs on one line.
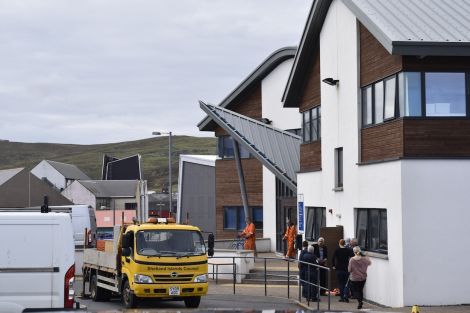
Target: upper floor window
[[338, 168], [311, 125], [226, 151], [418, 94]]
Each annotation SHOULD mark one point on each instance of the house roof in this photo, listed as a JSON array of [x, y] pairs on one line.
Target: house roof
[[69, 171], [403, 27], [276, 149], [266, 67], [111, 188], [418, 27], [5, 175]]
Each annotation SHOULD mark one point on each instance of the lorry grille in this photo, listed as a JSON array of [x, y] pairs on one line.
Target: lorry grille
[[173, 279]]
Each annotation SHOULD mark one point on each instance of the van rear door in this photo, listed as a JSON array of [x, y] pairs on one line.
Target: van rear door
[[26, 263]]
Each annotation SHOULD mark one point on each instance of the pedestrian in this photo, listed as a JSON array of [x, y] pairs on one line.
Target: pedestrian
[[309, 290], [321, 252], [303, 268], [358, 274], [249, 233], [289, 237], [340, 262]]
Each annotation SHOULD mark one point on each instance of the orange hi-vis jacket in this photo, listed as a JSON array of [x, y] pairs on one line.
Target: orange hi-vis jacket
[[290, 234], [250, 234]]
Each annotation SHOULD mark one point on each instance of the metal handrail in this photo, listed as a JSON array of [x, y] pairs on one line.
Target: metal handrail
[[296, 278]]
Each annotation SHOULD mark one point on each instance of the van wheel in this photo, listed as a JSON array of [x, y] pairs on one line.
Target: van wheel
[[128, 298], [98, 293], [192, 302]]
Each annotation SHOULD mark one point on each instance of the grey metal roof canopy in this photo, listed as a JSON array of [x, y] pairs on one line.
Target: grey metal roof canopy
[[276, 149]]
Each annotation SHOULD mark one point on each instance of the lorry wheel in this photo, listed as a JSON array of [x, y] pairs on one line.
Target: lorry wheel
[[128, 298], [192, 302], [98, 293]]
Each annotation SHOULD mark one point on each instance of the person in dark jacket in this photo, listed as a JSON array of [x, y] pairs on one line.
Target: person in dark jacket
[[340, 263], [321, 252], [309, 290], [303, 268]]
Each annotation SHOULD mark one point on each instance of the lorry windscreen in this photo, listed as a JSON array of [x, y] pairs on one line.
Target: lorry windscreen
[[177, 243]]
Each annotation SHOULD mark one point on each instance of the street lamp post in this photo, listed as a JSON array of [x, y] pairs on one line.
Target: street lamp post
[[169, 167]]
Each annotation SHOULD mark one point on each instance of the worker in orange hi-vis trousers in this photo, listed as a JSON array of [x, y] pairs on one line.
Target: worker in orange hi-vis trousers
[[289, 236], [249, 233]]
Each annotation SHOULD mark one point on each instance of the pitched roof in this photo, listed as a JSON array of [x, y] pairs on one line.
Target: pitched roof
[[269, 64], [6, 175], [111, 188], [418, 27], [69, 171], [276, 149]]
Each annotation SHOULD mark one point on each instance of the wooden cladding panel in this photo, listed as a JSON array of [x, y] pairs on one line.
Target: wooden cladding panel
[[434, 138], [228, 189], [310, 157], [382, 142], [375, 61], [311, 96]]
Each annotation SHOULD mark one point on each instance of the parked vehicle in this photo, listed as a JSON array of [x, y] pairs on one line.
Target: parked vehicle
[[37, 268], [155, 260]]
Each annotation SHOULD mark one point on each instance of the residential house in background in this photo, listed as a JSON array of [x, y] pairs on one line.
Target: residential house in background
[[388, 156], [20, 189], [196, 191], [58, 174], [258, 97], [121, 197]]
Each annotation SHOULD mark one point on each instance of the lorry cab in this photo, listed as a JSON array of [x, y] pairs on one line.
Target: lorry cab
[[37, 260], [161, 259]]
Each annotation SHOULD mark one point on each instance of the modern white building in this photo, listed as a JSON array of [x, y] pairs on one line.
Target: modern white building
[[58, 174]]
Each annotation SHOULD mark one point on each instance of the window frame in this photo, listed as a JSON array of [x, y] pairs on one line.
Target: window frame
[[311, 233], [311, 122], [368, 240], [339, 168]]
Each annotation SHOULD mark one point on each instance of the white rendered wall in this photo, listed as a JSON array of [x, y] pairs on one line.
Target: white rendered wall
[[44, 169], [436, 218], [272, 88], [78, 194], [370, 186]]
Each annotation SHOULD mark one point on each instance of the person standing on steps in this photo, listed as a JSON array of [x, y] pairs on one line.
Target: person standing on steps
[[289, 236], [358, 274], [249, 233], [321, 252]]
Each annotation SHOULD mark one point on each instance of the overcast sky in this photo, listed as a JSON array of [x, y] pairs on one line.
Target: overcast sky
[[98, 71]]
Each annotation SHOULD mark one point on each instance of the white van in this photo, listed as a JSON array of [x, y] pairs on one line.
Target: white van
[[37, 259]]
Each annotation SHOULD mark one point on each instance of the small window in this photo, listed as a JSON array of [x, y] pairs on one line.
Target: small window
[[130, 206], [307, 126], [390, 95], [409, 90], [367, 106], [311, 124], [226, 150], [234, 217], [379, 102], [230, 218], [316, 218], [371, 230], [339, 167], [445, 94]]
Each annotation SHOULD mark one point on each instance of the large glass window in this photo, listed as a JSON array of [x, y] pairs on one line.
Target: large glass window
[[371, 230], [445, 94], [390, 96], [311, 125], [234, 217], [409, 91], [225, 149], [316, 218]]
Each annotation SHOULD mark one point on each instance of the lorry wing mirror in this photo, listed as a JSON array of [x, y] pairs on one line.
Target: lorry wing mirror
[[126, 252], [210, 243], [127, 239]]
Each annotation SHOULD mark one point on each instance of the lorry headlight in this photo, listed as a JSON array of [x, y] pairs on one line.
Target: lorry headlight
[[142, 279], [201, 279]]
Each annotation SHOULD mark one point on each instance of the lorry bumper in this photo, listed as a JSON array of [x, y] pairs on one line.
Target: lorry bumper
[[163, 290]]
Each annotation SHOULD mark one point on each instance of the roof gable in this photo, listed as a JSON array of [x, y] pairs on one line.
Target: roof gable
[[247, 85], [7, 174], [69, 171]]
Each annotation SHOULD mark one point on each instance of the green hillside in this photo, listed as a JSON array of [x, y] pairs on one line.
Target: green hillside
[[88, 158]]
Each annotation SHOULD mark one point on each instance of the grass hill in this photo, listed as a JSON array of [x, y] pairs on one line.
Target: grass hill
[[88, 158]]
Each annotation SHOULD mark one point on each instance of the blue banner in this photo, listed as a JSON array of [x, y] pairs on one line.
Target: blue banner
[[300, 217]]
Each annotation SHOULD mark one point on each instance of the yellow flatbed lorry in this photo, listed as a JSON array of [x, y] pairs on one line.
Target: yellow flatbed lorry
[[158, 259]]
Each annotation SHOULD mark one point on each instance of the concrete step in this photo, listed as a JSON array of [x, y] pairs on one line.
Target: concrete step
[[270, 281]]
